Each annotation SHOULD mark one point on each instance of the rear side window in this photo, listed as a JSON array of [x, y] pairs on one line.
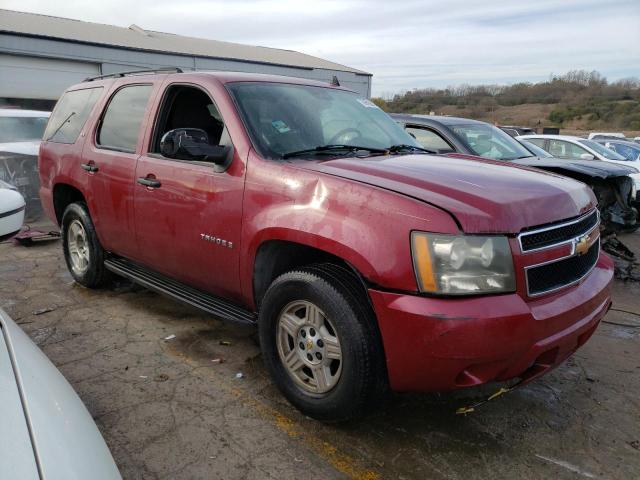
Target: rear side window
[[121, 121], [70, 115]]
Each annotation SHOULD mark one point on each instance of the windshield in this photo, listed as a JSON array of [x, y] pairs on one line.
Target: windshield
[[536, 150], [21, 129], [490, 142], [630, 152], [602, 150], [285, 118]]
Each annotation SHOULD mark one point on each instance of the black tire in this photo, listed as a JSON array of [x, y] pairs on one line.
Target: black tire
[[95, 275], [362, 384]]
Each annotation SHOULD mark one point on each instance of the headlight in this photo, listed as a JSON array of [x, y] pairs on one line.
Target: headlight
[[462, 264]]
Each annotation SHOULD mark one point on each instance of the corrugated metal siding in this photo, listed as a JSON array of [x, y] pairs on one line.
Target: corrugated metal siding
[[40, 78], [112, 59], [137, 38]]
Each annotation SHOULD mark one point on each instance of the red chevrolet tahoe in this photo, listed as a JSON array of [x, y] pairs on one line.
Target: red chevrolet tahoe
[[366, 263]]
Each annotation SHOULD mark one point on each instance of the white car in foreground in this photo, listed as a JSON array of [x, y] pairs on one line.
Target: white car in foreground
[[45, 431], [570, 147], [12, 207]]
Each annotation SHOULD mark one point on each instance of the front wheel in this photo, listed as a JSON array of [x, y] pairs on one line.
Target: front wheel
[[82, 250], [321, 343]]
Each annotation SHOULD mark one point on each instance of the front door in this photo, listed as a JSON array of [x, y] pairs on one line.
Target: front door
[[188, 210]]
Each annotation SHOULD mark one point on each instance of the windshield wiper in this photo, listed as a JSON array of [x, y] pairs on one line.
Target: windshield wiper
[[412, 148], [323, 149]]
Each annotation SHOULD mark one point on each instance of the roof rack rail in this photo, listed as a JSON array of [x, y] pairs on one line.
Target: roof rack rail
[[134, 72]]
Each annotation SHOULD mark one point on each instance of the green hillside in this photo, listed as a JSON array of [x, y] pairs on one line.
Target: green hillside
[[577, 100]]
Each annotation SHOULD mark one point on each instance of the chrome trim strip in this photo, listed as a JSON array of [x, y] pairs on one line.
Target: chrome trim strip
[[578, 280], [556, 226]]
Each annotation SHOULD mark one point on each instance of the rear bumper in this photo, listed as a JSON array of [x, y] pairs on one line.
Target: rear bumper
[[437, 344]]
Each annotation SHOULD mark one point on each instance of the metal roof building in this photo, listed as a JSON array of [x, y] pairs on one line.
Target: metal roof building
[[41, 55]]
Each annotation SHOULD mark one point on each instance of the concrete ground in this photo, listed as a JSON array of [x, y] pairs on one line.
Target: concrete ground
[[168, 410]]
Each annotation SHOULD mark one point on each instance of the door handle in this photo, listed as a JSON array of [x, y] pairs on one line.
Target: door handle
[[89, 167], [149, 182]]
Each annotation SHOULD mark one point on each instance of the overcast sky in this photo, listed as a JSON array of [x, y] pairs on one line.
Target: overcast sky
[[405, 44]]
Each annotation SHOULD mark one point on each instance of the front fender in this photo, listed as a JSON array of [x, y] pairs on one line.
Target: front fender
[[366, 226]]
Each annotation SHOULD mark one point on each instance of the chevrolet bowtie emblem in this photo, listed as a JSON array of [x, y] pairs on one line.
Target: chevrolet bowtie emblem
[[309, 345], [582, 244]]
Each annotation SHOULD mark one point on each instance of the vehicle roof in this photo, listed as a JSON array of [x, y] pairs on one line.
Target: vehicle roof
[[16, 112], [437, 119], [570, 138], [223, 77]]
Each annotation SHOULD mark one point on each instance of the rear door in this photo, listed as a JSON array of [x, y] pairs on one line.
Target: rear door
[[109, 162], [188, 211]]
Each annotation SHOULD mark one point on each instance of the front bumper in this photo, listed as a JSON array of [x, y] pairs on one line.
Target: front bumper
[[438, 344]]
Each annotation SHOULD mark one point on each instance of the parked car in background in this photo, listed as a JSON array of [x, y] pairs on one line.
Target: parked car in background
[[611, 184], [601, 135], [300, 207], [12, 207], [575, 148], [515, 131], [47, 432], [20, 135], [627, 149]]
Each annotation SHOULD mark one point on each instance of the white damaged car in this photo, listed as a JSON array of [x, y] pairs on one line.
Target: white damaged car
[[12, 207], [46, 433]]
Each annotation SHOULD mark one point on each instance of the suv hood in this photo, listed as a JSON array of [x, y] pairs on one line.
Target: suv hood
[[484, 196], [591, 168]]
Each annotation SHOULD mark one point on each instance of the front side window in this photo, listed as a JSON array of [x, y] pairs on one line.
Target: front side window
[[602, 150], [488, 141], [121, 121], [187, 107], [564, 149], [285, 118], [430, 139], [70, 114]]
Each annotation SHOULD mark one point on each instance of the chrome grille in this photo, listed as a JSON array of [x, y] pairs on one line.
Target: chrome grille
[[552, 275], [559, 233], [557, 274]]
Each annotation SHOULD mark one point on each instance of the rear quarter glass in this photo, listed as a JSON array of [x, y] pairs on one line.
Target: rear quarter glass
[[70, 115]]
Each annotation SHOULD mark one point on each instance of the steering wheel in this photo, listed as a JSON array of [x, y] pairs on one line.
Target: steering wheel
[[343, 132]]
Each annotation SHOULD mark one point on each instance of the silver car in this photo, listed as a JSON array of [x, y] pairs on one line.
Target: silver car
[[46, 433]]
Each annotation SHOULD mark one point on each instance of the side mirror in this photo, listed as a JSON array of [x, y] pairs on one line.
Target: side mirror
[[586, 156], [193, 144]]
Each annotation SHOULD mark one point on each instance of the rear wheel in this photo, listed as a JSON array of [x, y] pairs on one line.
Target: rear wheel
[[82, 250], [321, 343]]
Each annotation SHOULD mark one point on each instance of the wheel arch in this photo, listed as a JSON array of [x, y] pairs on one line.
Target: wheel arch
[[274, 256], [65, 194]]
